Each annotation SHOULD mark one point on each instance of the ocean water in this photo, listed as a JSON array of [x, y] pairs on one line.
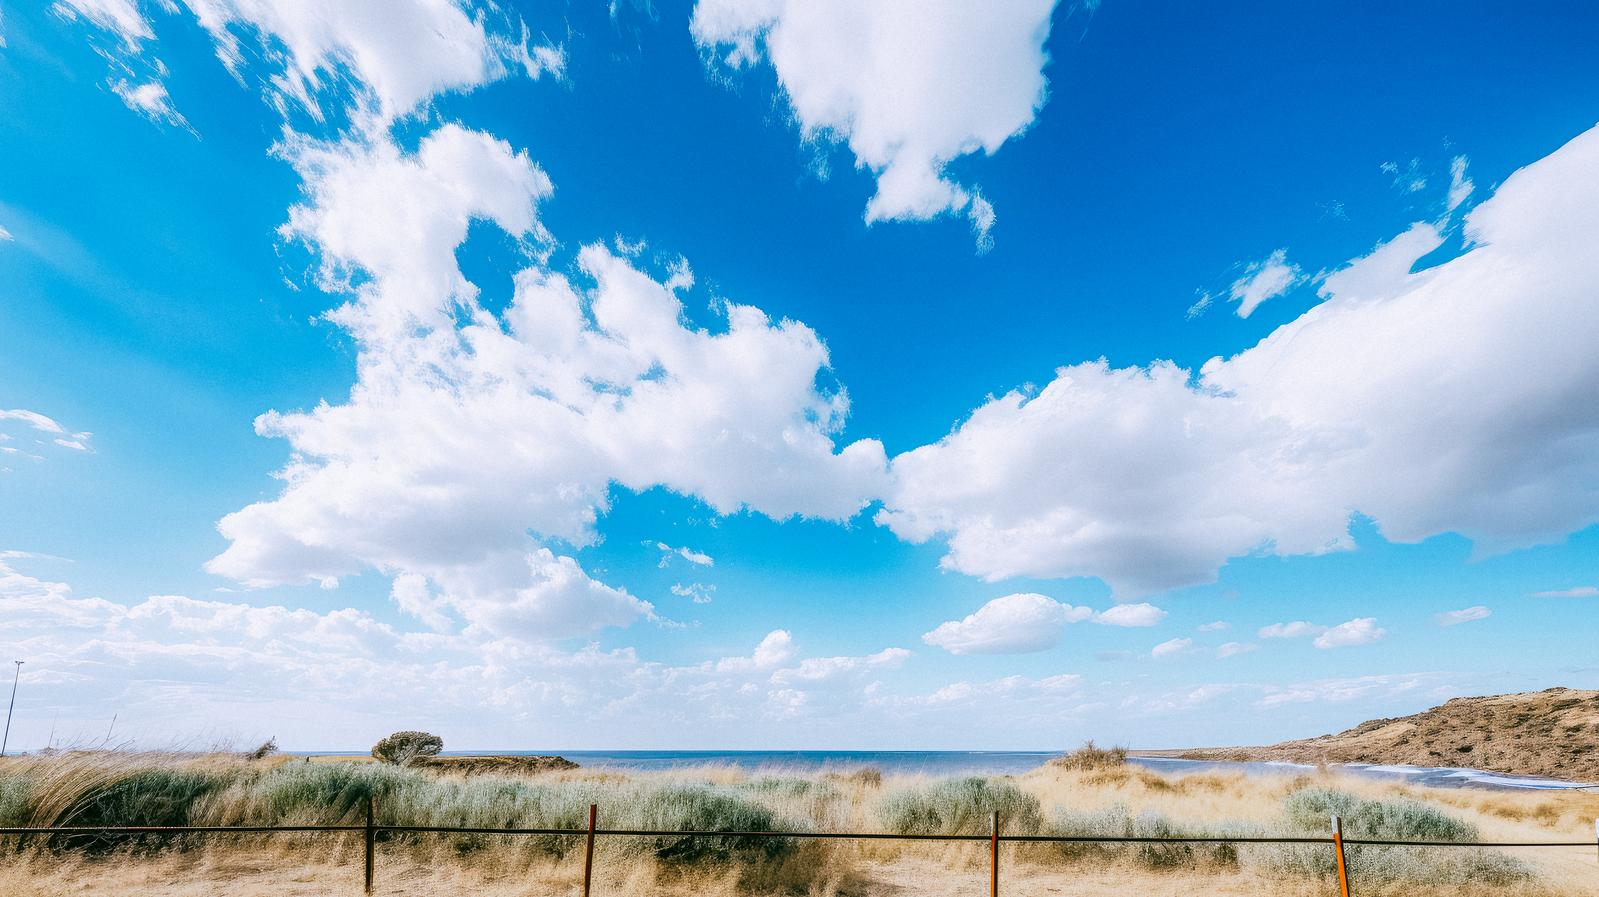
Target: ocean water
[[957, 763]]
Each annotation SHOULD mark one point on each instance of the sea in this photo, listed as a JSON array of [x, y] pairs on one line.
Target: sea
[[961, 763]]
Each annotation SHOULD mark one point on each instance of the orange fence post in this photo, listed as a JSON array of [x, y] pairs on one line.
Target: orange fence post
[[1338, 850], [371, 841], [588, 851], [993, 858]]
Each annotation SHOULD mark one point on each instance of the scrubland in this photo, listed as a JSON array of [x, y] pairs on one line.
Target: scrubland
[[1088, 793]]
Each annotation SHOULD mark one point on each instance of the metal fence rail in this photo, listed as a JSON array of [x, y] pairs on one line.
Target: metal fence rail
[[371, 828]]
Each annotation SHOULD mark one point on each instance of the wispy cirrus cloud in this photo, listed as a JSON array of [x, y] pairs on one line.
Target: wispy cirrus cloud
[[1463, 615], [1573, 592]]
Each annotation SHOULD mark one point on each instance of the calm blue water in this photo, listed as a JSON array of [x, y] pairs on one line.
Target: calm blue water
[[953, 763]]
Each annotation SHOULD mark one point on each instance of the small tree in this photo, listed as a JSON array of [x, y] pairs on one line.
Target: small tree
[[405, 748], [267, 749]]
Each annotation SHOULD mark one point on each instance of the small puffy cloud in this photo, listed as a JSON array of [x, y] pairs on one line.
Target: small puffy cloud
[[1359, 631], [1464, 615], [1214, 626], [1140, 614], [1574, 592], [1262, 280], [1232, 649], [1296, 629], [1013, 624], [1171, 648], [775, 650], [908, 87]]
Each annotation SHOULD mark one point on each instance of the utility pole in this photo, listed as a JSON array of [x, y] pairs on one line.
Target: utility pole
[[14, 679]]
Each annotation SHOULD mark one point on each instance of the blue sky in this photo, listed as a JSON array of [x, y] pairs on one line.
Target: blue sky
[[742, 374]]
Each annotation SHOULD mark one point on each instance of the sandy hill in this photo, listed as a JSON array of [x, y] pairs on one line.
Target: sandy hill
[[1551, 733]]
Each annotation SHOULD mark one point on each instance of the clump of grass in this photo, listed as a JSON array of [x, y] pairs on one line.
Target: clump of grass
[[1117, 822], [1091, 757], [1311, 809], [960, 807], [1308, 811], [706, 809], [863, 777], [14, 793]]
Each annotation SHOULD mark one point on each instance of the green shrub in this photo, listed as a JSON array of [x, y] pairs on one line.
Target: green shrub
[[1118, 822], [14, 793], [1312, 809], [960, 807], [707, 809], [1308, 812]]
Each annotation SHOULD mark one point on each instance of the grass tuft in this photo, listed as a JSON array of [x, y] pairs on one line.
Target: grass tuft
[[960, 807]]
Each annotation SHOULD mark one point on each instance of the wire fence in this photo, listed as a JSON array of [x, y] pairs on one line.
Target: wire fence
[[371, 828]]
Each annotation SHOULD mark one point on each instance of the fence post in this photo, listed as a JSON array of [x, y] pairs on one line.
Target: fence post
[[371, 840], [588, 851], [993, 857], [1338, 850]]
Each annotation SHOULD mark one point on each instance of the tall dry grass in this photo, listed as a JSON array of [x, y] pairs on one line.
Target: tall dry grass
[[1097, 798]]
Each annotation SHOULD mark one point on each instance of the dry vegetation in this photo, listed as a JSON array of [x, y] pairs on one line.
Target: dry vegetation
[[1551, 733], [1088, 793]]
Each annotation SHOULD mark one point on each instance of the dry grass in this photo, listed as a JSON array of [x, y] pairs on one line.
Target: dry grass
[[1102, 797]]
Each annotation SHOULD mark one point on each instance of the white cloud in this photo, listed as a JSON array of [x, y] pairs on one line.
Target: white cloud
[[151, 100], [1576, 592], [698, 592], [1131, 615], [1215, 626], [1343, 690], [688, 554], [1232, 649], [1452, 399], [1464, 615], [908, 86], [390, 56], [489, 426], [1262, 280], [1408, 179], [1296, 629], [19, 442], [1171, 648], [1460, 186], [121, 17], [1013, 624], [173, 667], [1359, 631], [399, 53]]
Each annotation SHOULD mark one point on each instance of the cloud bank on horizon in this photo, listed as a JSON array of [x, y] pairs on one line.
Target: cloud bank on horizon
[[481, 444]]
